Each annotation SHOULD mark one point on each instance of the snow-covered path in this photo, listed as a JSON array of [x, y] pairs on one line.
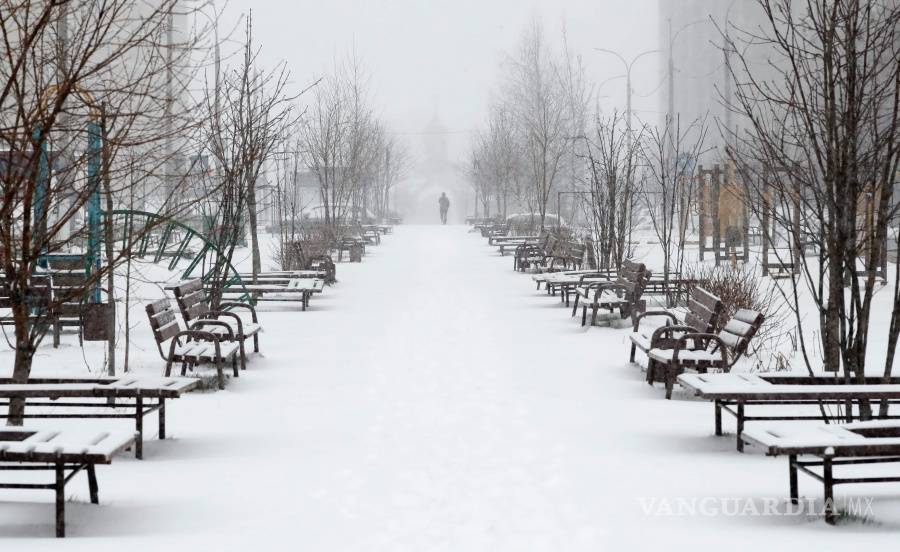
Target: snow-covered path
[[432, 401]]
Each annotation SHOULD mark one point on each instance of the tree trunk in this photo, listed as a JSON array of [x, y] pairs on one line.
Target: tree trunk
[[254, 238], [21, 371]]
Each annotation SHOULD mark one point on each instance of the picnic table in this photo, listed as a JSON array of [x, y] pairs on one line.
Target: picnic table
[[126, 397], [830, 446], [288, 289], [66, 453], [736, 393]]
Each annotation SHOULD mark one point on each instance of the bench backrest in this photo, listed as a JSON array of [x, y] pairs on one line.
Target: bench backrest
[[191, 298], [633, 276], [575, 251], [738, 332], [163, 321], [704, 310]]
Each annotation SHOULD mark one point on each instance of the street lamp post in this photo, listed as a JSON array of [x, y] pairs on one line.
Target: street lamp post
[[628, 89]]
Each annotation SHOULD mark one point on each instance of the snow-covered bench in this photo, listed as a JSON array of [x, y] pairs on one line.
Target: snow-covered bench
[[192, 346], [195, 309], [536, 253], [830, 446], [701, 352], [624, 294], [65, 453], [126, 397], [737, 393], [702, 315]]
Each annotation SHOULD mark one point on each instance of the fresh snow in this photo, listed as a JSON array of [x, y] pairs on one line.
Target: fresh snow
[[432, 400]]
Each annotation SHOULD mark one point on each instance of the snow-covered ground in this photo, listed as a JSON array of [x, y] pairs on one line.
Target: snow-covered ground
[[433, 400]]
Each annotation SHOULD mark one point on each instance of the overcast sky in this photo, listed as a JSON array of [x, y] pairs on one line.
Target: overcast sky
[[447, 52]]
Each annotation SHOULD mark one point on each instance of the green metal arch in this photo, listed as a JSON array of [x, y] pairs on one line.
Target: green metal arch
[[168, 224]]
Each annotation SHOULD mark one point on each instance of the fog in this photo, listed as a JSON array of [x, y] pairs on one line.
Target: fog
[[442, 59]]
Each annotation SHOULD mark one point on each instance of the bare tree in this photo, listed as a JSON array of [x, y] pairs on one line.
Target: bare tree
[[247, 115], [668, 156], [611, 152], [535, 92], [83, 112], [824, 127]]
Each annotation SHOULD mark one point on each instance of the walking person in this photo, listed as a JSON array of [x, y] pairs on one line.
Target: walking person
[[444, 202]]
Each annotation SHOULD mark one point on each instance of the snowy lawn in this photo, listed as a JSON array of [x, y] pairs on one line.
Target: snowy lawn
[[433, 400]]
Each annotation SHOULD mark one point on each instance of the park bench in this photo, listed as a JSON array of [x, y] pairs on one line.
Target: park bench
[[38, 301], [288, 285], [702, 315], [567, 282], [195, 308], [701, 351], [193, 346], [552, 280], [371, 232], [292, 289], [67, 276], [764, 394], [64, 452], [624, 294], [355, 247], [817, 450], [534, 253], [569, 257], [126, 397]]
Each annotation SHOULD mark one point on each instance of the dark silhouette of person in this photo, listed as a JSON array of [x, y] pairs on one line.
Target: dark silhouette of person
[[444, 202]]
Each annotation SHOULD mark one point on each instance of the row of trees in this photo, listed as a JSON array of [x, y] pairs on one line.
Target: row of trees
[[814, 141], [544, 149], [115, 104]]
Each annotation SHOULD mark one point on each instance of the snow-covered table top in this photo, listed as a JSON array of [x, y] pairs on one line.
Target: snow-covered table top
[[875, 438], [563, 277], [126, 386], [783, 387], [69, 445], [293, 285]]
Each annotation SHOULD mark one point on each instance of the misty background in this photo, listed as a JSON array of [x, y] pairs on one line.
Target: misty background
[[433, 66]]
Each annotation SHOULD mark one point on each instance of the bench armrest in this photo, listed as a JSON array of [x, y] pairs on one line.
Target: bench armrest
[[609, 286], [216, 314], [236, 305], [198, 325], [648, 314], [664, 336], [704, 339], [197, 335]]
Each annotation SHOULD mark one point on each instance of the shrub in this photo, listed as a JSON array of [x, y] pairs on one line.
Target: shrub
[[741, 287]]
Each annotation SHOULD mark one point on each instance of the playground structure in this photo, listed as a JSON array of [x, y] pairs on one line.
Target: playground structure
[[67, 291], [781, 229], [866, 220], [723, 219]]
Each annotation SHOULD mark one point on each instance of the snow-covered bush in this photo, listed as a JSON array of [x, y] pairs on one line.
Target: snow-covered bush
[[741, 287]]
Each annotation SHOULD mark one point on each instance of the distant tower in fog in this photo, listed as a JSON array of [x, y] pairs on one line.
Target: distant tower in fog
[[434, 145]]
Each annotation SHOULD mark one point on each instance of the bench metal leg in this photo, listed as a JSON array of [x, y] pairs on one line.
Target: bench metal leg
[[633, 351], [60, 488], [139, 427], [92, 484], [221, 374], [792, 479], [740, 427], [162, 418], [718, 411], [243, 354], [670, 381], [828, 480]]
